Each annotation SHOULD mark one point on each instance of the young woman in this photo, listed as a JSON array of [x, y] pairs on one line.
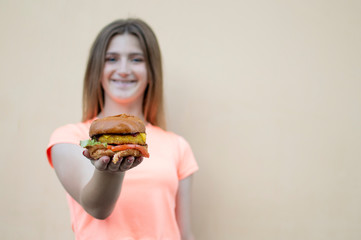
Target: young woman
[[135, 198]]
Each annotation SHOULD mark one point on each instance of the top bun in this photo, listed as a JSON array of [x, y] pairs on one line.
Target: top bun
[[119, 124]]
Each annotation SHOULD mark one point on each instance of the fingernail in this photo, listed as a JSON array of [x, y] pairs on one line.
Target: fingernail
[[130, 160]]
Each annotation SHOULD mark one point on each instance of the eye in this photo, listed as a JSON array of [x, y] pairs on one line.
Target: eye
[[137, 59], [110, 59]]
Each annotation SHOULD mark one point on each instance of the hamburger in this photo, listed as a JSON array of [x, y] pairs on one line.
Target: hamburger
[[117, 136]]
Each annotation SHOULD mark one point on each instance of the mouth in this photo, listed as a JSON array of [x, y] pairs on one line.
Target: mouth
[[123, 84]]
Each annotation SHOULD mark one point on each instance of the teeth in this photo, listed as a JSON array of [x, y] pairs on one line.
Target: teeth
[[123, 84], [125, 81]]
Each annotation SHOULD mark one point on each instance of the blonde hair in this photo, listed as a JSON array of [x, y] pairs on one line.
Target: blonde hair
[[93, 93]]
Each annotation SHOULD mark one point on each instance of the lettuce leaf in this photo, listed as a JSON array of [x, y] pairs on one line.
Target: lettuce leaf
[[91, 142]]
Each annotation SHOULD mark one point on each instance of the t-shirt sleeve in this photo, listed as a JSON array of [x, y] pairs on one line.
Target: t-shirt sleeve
[[65, 134], [187, 164]]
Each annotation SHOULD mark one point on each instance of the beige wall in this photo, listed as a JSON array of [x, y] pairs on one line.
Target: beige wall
[[268, 93]]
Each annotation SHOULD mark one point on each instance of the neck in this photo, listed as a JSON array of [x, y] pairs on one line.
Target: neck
[[112, 108]]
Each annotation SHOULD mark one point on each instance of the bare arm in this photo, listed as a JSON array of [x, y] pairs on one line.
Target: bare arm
[[183, 208], [96, 187]]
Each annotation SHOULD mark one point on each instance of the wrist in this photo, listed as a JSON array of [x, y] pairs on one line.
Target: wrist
[[108, 175]]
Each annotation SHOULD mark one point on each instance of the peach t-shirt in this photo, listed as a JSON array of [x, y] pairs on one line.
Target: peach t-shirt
[[145, 209]]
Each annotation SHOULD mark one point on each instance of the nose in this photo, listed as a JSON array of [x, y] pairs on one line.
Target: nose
[[123, 69]]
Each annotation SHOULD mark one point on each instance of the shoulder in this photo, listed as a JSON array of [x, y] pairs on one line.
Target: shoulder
[[71, 133], [73, 127]]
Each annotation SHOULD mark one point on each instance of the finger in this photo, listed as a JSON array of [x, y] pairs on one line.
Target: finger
[[86, 153], [126, 163], [137, 161], [101, 163], [115, 166]]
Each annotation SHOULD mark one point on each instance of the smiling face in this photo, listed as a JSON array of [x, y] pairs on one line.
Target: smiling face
[[124, 77]]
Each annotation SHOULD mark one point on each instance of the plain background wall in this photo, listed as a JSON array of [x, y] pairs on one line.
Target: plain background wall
[[268, 93]]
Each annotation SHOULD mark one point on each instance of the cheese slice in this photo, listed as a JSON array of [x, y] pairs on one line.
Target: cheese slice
[[123, 139]]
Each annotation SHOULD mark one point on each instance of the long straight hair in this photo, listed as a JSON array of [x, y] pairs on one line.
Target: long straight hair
[[93, 93]]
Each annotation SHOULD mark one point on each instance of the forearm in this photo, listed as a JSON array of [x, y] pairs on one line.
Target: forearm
[[100, 194]]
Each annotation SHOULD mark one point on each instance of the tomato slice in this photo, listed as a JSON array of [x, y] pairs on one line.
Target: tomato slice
[[122, 147]]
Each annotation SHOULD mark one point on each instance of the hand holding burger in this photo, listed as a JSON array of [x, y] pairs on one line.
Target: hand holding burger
[[117, 137]]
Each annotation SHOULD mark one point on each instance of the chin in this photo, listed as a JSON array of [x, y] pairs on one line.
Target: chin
[[127, 99]]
